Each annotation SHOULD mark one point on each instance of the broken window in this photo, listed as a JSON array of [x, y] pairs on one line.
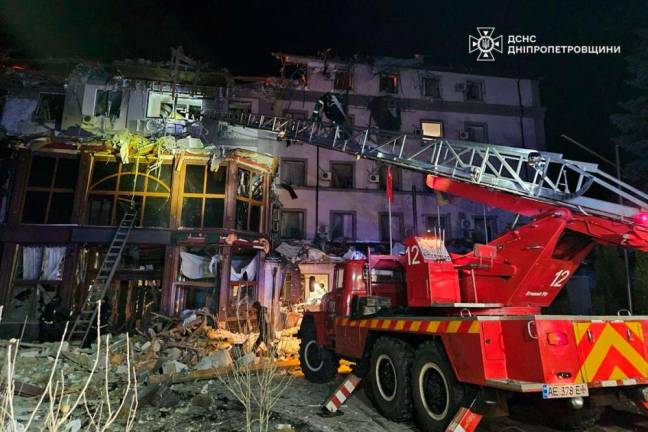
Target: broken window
[[292, 224], [107, 103], [49, 194], [474, 90], [203, 198], [182, 107], [342, 226], [293, 172], [342, 80], [484, 228], [114, 185], [396, 178], [389, 83], [396, 225], [249, 200], [49, 109], [295, 72], [431, 129], [477, 132], [342, 175], [432, 87]]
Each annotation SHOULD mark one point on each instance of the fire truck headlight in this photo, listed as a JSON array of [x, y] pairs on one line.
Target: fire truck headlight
[[642, 218]]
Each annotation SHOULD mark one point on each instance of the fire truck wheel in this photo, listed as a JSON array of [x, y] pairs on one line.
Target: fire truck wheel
[[389, 378], [436, 394], [319, 364]]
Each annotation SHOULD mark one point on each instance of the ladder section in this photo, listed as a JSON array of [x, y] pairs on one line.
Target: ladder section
[[542, 176], [88, 314]]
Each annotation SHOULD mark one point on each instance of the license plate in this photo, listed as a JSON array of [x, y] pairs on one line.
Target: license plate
[[554, 391]]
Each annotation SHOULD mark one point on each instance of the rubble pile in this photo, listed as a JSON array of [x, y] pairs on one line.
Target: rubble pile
[[176, 363]]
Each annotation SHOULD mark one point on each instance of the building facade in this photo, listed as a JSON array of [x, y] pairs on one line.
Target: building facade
[[339, 198], [82, 143]]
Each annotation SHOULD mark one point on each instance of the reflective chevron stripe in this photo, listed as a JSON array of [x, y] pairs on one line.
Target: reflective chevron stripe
[[413, 325]]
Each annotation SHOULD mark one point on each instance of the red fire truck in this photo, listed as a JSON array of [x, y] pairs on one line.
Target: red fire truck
[[441, 337], [434, 332]]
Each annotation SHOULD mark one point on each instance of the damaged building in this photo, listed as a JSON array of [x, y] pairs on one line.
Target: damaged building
[[83, 143]]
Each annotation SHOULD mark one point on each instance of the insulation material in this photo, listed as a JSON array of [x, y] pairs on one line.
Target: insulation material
[[31, 265], [52, 268], [195, 266], [249, 271], [353, 254]]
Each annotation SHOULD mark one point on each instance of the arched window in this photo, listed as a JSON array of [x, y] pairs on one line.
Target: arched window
[[113, 186]]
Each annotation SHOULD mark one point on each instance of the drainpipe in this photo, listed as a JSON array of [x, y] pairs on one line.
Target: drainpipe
[[521, 113]]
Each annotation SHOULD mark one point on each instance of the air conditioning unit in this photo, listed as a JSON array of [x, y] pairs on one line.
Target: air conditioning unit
[[460, 87], [464, 135], [374, 178], [325, 175]]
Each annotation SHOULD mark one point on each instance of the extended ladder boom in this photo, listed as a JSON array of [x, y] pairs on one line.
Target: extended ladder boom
[[544, 177]]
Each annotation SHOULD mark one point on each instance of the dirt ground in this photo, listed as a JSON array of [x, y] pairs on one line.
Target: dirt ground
[[207, 406]]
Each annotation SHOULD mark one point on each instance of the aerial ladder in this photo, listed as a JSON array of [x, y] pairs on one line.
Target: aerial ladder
[[475, 320]]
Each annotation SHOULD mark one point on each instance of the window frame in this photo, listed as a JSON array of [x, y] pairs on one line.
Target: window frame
[[472, 124], [397, 178], [491, 225], [448, 223], [424, 86], [177, 95], [203, 196], [250, 199], [354, 222], [349, 79], [347, 163], [108, 108], [51, 189], [401, 226], [303, 227], [482, 90], [115, 193], [58, 119], [384, 75], [304, 162]]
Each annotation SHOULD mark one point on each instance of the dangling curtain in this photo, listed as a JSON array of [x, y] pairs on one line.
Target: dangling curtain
[[52, 268], [32, 258]]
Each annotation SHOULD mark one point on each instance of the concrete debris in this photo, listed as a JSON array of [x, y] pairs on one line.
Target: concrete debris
[[217, 359], [174, 366]]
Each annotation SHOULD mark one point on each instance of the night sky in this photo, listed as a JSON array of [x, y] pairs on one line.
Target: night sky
[[579, 91]]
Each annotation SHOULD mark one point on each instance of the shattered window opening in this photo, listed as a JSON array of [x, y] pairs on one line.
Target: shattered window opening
[[49, 109], [49, 195], [342, 80], [203, 197], [432, 87], [161, 105], [396, 177], [389, 83], [342, 175], [249, 200], [108, 103], [293, 172], [112, 183], [397, 226]]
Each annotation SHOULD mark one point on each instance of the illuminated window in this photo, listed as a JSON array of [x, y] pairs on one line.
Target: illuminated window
[[249, 200], [292, 224], [389, 83], [50, 190], [114, 185], [431, 129], [107, 103], [432, 87], [203, 197], [161, 105], [342, 80], [343, 225]]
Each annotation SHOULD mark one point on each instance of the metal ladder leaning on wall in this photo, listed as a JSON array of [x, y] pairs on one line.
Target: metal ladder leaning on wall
[[88, 315]]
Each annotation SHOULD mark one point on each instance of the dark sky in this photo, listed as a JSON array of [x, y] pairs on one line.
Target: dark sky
[[579, 91]]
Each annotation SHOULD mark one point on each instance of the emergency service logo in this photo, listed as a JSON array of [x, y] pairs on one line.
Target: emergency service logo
[[486, 44]]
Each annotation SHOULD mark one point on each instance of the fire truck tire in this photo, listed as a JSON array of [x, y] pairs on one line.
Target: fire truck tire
[[389, 378], [319, 364], [436, 394], [568, 419]]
